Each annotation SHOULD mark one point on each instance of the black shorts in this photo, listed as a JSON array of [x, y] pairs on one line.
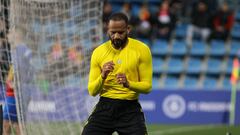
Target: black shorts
[[110, 115]]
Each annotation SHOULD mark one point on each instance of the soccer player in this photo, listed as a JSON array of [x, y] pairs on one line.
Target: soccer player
[[10, 111], [22, 64], [120, 70]]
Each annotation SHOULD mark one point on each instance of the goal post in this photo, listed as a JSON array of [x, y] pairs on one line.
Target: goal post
[[51, 44]]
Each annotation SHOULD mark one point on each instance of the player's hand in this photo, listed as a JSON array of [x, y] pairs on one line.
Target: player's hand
[[122, 79], [107, 68]]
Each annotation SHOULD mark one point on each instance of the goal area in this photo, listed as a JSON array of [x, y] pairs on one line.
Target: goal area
[[51, 44]]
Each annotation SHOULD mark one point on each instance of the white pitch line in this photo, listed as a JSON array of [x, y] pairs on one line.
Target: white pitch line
[[181, 129]]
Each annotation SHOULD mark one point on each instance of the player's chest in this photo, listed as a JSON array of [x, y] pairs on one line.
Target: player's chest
[[127, 60]]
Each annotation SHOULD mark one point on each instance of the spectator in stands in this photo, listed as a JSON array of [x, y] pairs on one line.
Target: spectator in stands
[[166, 21], [200, 23], [144, 27], [176, 7], [186, 7], [107, 11], [56, 61], [75, 55], [212, 5], [57, 51], [222, 23], [127, 10]]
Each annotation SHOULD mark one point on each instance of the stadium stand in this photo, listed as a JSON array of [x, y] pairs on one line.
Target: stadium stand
[[160, 47], [177, 64], [214, 66], [171, 82], [158, 65], [210, 83], [236, 28], [179, 48], [199, 48], [194, 65], [234, 48], [181, 31], [190, 82], [217, 48]]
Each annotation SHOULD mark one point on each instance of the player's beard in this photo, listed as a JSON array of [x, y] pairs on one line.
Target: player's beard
[[119, 43]]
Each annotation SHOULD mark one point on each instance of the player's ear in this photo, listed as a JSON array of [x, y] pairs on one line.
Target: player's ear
[[129, 29], [108, 33]]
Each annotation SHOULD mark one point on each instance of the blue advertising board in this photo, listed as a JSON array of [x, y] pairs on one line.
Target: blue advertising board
[[159, 106], [189, 107]]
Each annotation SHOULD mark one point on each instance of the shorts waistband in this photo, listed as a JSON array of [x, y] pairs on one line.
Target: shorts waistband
[[105, 99]]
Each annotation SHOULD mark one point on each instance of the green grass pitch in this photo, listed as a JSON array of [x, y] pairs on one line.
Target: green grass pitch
[[64, 128], [193, 129]]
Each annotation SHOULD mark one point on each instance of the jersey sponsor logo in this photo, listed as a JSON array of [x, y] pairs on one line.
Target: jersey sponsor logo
[[174, 106]]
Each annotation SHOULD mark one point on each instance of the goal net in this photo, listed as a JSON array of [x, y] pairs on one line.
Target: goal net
[[51, 43]]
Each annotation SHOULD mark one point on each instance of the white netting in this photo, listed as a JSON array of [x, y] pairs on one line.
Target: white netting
[[51, 44]]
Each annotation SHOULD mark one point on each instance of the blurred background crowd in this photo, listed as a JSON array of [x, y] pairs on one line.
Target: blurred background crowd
[[193, 42], [160, 19]]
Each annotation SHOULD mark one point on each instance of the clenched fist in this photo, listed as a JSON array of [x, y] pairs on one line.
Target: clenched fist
[[122, 79], [107, 68]]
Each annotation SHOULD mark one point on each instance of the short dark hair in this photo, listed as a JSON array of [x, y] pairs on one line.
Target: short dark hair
[[118, 17]]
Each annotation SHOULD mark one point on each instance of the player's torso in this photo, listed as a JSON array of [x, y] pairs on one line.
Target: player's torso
[[126, 61]]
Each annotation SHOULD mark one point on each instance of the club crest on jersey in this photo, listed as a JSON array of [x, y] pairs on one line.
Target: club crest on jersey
[[119, 61]]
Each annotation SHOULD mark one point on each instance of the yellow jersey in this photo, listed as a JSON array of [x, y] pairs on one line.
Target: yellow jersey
[[134, 60]]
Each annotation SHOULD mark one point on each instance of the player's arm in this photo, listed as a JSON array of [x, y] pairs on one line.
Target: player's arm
[[144, 85], [96, 81]]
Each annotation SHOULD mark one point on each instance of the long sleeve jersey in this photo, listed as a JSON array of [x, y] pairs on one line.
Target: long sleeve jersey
[[134, 60]]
